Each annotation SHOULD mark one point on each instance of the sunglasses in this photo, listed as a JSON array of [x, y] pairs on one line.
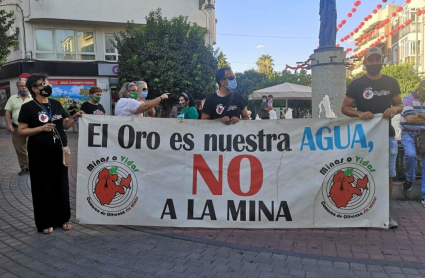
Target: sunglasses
[[230, 78], [132, 91]]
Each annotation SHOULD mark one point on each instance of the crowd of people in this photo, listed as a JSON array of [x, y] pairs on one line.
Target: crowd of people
[[38, 126]]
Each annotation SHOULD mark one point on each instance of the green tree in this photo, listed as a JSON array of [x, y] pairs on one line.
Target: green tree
[[248, 82], [170, 55], [405, 74], [265, 64], [222, 60], [6, 41]]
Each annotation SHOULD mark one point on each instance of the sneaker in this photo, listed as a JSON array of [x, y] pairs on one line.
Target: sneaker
[[392, 223], [423, 202], [407, 185], [22, 172]]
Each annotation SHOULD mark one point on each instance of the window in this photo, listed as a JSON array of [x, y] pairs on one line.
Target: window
[[111, 53], [64, 44]]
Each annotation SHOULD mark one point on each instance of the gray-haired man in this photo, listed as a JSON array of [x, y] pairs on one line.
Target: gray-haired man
[[13, 106]]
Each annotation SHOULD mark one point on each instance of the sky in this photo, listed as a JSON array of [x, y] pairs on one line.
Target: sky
[[287, 30]]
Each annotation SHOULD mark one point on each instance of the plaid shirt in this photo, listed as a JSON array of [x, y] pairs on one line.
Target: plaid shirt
[[412, 105]]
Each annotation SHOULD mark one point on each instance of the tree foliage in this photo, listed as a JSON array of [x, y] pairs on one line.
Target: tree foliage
[[6, 41], [222, 60], [265, 65], [405, 74], [170, 55]]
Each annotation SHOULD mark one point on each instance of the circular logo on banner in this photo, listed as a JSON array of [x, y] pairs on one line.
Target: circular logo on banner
[[112, 188], [348, 190], [43, 118]]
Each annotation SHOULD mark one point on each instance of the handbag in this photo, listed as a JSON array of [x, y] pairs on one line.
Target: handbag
[[66, 156], [66, 152], [420, 142]]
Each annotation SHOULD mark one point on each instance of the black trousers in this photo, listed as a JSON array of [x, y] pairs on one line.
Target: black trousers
[[49, 186], [265, 118]]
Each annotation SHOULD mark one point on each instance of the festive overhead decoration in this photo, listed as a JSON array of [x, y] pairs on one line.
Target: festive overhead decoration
[[305, 65], [350, 14], [379, 26], [351, 34]]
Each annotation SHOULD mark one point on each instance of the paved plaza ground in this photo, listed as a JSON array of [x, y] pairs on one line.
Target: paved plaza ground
[[132, 251]]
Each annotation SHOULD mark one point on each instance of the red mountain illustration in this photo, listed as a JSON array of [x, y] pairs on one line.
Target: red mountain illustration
[[106, 188], [342, 190]]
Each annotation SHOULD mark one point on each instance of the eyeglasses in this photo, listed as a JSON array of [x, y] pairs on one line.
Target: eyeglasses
[[132, 91], [230, 78], [44, 84]]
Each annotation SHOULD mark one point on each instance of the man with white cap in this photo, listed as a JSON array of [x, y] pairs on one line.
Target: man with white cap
[[376, 93]]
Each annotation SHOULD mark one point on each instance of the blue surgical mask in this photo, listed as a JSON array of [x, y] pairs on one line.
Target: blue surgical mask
[[231, 85], [264, 100], [144, 94]]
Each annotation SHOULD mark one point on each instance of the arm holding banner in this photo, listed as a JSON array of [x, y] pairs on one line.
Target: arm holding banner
[[395, 109], [350, 112], [68, 122]]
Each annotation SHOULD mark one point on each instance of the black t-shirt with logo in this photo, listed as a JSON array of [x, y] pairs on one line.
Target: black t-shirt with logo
[[215, 106], [92, 109], [374, 96], [33, 115]]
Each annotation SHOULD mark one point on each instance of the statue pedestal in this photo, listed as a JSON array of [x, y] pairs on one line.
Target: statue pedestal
[[328, 78]]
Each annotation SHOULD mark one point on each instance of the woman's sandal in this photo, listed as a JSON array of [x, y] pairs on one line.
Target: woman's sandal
[[48, 231], [67, 226]]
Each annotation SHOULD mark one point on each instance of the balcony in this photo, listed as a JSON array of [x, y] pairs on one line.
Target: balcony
[[411, 28]]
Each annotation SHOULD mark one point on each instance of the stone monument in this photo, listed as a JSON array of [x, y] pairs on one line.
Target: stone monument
[[328, 65]]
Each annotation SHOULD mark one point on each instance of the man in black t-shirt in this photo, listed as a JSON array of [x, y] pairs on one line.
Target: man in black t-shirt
[[376, 93], [225, 105]]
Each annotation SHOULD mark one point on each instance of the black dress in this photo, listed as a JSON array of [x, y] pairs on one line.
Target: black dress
[[48, 175]]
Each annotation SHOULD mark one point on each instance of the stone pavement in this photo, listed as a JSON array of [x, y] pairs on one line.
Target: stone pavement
[[131, 251]]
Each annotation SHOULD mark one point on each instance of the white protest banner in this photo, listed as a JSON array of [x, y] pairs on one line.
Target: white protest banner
[[302, 173]]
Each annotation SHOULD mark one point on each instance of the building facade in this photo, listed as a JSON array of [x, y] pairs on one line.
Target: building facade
[[71, 40], [405, 45]]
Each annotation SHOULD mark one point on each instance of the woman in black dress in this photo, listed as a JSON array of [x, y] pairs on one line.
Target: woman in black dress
[[43, 120]]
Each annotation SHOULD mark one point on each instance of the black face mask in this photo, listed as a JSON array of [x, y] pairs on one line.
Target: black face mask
[[46, 91], [374, 69]]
